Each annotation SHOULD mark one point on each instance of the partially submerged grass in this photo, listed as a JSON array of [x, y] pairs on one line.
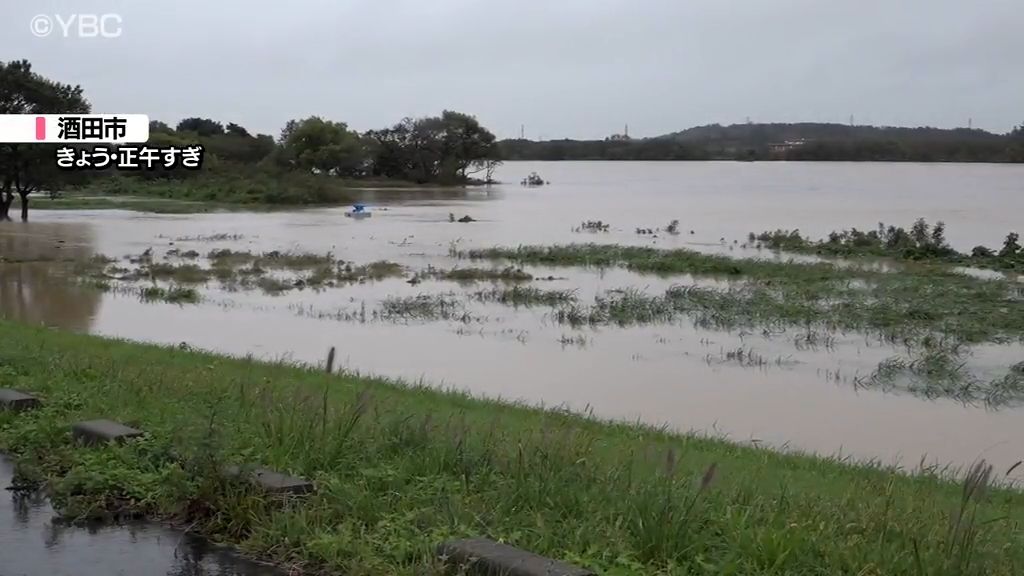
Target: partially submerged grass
[[423, 307], [184, 273], [908, 304], [507, 274], [400, 469], [237, 270], [275, 259], [526, 296], [173, 294], [640, 259], [921, 242], [941, 370], [378, 270]]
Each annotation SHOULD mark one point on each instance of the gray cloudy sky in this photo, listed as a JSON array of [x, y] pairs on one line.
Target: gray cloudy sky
[[564, 68]]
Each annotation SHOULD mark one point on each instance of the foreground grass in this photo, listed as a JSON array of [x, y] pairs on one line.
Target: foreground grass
[[399, 469]]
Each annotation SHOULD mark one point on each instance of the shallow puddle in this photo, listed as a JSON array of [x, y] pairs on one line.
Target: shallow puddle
[[33, 544]]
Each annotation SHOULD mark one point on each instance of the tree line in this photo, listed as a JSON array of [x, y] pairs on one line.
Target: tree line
[[307, 163], [799, 141]]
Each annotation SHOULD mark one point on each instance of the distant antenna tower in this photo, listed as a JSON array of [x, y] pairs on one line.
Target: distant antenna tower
[[970, 123], [851, 119], [748, 120], [626, 133], [522, 131]]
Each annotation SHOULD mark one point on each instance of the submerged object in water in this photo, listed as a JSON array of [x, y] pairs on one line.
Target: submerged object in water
[[358, 211]]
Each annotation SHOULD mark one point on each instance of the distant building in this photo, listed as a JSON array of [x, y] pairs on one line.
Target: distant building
[[783, 147]]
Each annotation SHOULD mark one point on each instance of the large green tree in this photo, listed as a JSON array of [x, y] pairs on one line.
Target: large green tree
[[319, 145], [201, 126], [25, 168], [445, 148]]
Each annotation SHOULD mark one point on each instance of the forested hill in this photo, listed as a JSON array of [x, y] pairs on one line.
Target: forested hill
[[801, 141]]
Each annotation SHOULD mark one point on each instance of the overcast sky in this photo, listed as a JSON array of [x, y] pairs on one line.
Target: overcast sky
[[563, 68]]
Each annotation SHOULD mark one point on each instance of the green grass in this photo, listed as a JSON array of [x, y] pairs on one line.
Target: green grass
[[923, 242], [651, 260], [399, 469], [221, 188], [252, 187], [139, 204]]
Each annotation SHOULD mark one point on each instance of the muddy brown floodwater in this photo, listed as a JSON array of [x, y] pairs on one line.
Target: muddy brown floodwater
[[674, 374]]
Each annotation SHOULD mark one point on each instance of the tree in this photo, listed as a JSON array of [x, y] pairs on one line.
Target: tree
[[236, 130], [446, 148], [25, 168], [1011, 246], [201, 126], [234, 147], [319, 145], [467, 144], [158, 127]]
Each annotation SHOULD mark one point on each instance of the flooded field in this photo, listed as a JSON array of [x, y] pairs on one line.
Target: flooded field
[[779, 387]]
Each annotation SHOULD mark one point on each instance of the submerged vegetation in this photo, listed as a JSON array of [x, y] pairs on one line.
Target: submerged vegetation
[[809, 302], [398, 470], [903, 305], [921, 242], [236, 270], [592, 226], [913, 308], [173, 295], [507, 274]]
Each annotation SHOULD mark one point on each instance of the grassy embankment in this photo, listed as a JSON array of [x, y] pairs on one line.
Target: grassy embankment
[[214, 191], [399, 469]]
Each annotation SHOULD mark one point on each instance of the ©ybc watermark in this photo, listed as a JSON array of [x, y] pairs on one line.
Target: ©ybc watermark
[[76, 25]]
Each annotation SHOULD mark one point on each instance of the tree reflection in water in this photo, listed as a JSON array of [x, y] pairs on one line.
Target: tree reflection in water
[[35, 286]]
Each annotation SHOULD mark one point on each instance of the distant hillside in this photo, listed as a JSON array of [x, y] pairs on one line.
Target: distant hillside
[[800, 141]]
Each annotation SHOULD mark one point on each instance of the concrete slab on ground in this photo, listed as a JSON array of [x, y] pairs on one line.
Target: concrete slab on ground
[[489, 558], [270, 480], [102, 431], [17, 401]]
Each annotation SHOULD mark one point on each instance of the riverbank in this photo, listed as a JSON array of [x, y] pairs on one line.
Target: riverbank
[[220, 191], [399, 469]]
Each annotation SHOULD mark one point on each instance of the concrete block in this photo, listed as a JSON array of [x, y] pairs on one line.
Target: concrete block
[[102, 431], [486, 557], [17, 401], [271, 481]]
